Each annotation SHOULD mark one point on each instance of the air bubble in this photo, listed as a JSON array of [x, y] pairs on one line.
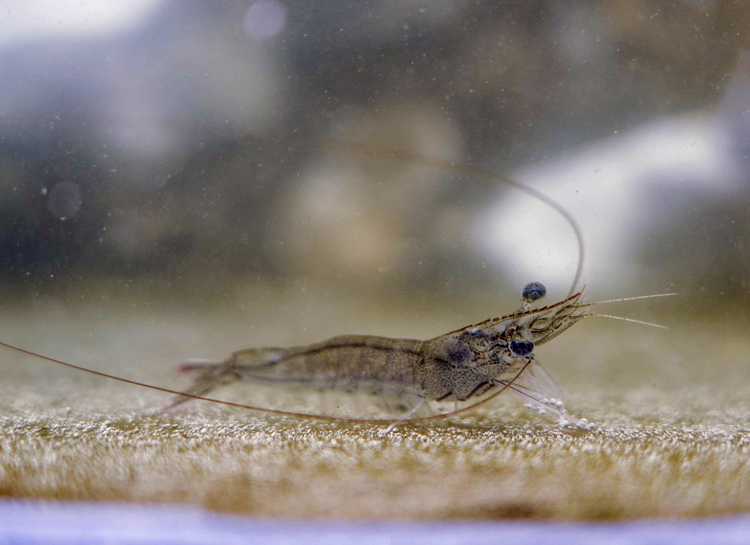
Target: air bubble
[[584, 424], [533, 291]]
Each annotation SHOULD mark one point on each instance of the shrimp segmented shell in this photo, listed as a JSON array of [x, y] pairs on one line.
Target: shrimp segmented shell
[[463, 366]]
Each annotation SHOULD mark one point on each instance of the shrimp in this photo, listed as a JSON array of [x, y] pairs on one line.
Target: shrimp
[[467, 367], [459, 366], [473, 364]]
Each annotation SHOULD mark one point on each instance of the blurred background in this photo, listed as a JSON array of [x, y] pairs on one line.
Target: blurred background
[[186, 179], [173, 183]]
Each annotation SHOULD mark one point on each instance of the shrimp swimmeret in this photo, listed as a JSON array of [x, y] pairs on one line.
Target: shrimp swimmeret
[[459, 370]]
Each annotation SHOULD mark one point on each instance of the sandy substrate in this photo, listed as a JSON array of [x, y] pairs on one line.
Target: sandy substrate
[[472, 468], [672, 436]]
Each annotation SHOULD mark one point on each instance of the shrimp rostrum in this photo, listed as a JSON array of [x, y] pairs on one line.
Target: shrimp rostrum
[[463, 368]]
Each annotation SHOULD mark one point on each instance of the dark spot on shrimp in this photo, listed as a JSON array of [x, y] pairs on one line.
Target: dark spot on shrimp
[[459, 352], [521, 349]]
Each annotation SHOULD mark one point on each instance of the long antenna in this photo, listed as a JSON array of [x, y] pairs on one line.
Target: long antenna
[[621, 299], [376, 151], [263, 409], [631, 320]]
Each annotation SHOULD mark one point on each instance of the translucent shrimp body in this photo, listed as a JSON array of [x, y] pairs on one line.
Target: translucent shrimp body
[[461, 366]]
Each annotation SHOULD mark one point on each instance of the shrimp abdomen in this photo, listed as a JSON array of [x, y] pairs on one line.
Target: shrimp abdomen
[[351, 362]]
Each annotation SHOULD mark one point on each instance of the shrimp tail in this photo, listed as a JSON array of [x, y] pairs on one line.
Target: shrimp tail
[[189, 366], [212, 375]]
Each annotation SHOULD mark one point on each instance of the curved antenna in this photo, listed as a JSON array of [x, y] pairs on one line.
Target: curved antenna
[[375, 151], [265, 410], [460, 168]]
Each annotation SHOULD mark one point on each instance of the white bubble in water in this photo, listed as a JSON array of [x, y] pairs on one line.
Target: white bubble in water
[[265, 19], [64, 200]]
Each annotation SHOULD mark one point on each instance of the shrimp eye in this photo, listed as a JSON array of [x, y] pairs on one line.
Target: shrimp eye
[[533, 291], [521, 349]]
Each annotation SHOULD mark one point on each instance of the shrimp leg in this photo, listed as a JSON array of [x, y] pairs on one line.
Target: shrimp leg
[[212, 375]]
